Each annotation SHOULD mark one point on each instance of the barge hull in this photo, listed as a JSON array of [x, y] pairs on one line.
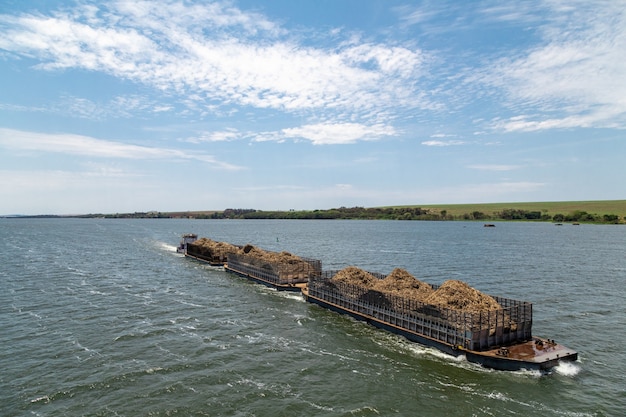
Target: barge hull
[[206, 261]]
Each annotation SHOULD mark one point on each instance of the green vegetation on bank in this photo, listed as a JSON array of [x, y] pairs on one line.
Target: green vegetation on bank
[[607, 212], [610, 212], [600, 207]]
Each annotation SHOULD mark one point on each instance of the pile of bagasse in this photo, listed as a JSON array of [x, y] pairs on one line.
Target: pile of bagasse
[[219, 251], [451, 301], [211, 250], [452, 294]]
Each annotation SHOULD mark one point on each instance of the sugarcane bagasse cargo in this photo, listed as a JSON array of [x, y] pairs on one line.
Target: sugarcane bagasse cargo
[[496, 335]]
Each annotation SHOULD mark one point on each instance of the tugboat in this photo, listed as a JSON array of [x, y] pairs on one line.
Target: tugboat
[[185, 240]]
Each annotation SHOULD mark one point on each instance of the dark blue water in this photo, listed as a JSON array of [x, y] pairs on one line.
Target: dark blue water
[[102, 317]]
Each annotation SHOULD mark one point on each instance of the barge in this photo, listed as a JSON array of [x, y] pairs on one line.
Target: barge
[[283, 276], [208, 251], [500, 339]]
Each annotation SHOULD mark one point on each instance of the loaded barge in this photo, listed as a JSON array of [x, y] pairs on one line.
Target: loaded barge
[[193, 248], [283, 276], [500, 339], [279, 270]]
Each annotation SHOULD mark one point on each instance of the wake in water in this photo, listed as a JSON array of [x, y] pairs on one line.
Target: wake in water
[[290, 295], [168, 248], [569, 369], [402, 345]]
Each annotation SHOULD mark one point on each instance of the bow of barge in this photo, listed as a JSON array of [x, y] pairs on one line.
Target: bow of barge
[[536, 354]]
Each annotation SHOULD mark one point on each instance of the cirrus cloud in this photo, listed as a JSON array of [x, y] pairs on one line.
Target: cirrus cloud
[[216, 54], [442, 143], [338, 133], [88, 146], [574, 78]]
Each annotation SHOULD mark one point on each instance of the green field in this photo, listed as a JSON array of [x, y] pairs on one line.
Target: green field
[[617, 207]]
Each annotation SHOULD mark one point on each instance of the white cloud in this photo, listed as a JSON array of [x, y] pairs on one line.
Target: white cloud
[[206, 51], [524, 124], [428, 16], [215, 136], [117, 107], [88, 146], [442, 135], [389, 59], [576, 77], [443, 143], [268, 137], [338, 133], [519, 13], [126, 106], [214, 15]]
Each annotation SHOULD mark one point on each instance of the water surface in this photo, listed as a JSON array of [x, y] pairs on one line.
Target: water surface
[[102, 317]]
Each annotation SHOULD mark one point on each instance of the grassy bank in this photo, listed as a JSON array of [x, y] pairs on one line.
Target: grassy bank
[[609, 212], [617, 207]]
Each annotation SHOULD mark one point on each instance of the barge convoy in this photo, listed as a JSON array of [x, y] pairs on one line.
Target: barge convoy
[[499, 338]]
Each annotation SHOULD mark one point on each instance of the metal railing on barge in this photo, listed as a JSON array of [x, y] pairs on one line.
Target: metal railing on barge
[[480, 330], [277, 273]]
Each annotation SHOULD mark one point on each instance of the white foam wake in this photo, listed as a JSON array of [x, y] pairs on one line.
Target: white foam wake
[[166, 247], [568, 369]]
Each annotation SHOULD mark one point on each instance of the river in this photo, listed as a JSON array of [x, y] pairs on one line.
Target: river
[[102, 317]]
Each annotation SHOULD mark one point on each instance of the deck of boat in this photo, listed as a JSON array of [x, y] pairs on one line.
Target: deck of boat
[[537, 350]]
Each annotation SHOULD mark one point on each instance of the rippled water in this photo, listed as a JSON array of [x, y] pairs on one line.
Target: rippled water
[[102, 317]]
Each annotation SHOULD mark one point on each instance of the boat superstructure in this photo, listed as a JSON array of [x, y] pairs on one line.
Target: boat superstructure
[[185, 240]]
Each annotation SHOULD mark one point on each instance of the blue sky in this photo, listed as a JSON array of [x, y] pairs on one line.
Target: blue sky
[[124, 106]]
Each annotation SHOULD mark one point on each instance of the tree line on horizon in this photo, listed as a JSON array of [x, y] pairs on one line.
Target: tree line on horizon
[[375, 213], [413, 213]]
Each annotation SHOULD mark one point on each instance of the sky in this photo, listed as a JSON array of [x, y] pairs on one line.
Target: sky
[[133, 106]]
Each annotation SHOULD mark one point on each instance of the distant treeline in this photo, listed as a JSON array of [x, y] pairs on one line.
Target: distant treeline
[[413, 213], [355, 213]]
